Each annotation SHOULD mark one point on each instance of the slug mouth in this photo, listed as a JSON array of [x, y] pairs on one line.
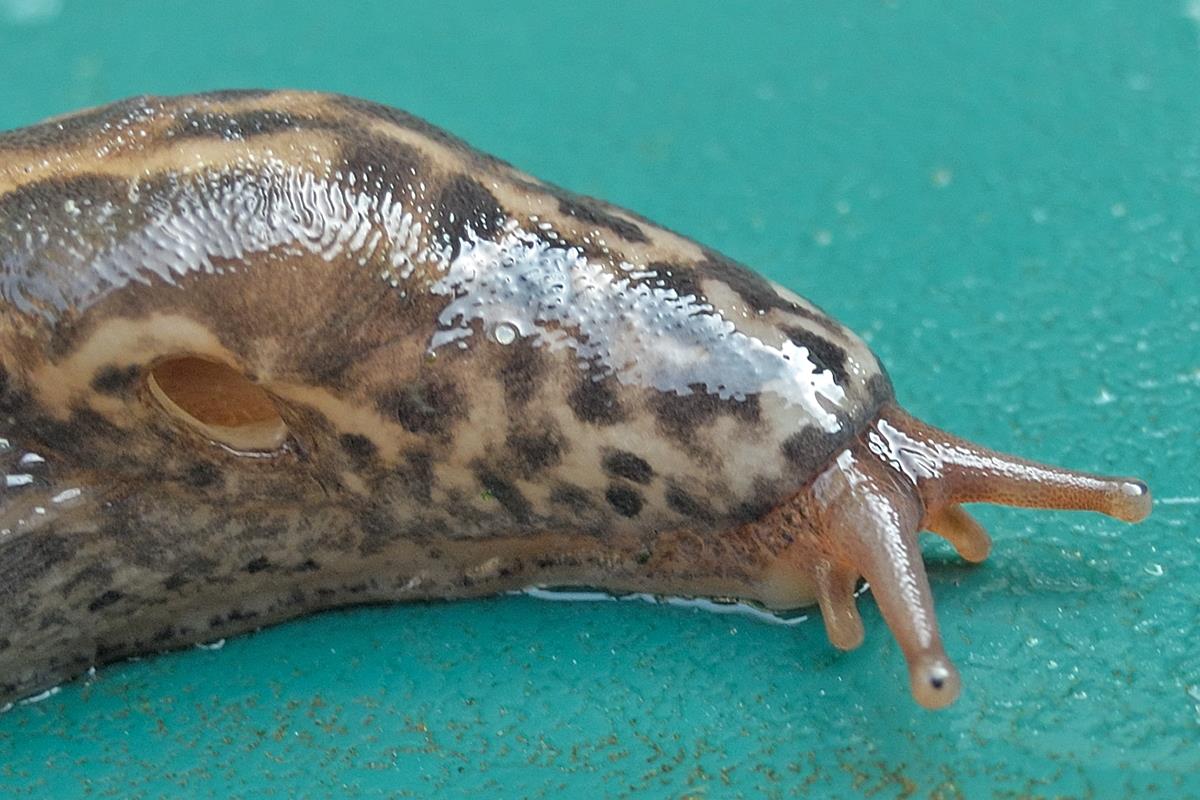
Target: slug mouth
[[899, 477]]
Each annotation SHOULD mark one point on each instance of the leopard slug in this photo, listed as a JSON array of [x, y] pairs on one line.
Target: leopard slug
[[266, 353]]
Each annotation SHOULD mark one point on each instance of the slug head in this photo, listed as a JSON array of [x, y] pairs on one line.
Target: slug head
[[861, 515]]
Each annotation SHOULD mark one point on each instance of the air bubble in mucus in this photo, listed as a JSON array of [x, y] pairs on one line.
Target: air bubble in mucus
[[505, 333]]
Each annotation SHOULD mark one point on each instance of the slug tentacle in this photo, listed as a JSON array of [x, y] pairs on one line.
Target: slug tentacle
[[875, 516], [956, 526], [949, 470]]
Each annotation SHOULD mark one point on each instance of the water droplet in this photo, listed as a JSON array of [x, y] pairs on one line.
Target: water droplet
[[505, 333]]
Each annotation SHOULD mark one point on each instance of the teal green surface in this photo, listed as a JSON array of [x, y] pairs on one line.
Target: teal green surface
[[1004, 199]]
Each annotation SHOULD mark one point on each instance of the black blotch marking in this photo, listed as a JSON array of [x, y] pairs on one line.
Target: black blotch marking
[[78, 127], [756, 290], [360, 448], [175, 581], [824, 354], [593, 212], [202, 475], [418, 474], [879, 388], [765, 495], [533, 448], [404, 119], [378, 528], [673, 276], [425, 407], [683, 503], [308, 565], [680, 415], [522, 372], [371, 155], [105, 600], [571, 496], [624, 464], [258, 565], [596, 401], [505, 493], [626, 501], [811, 448], [240, 125], [25, 559], [114, 380], [464, 204]]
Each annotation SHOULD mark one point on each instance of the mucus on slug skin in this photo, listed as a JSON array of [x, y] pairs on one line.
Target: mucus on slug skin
[[265, 353]]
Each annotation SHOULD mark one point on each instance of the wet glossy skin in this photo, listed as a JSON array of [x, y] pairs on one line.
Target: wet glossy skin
[[482, 382]]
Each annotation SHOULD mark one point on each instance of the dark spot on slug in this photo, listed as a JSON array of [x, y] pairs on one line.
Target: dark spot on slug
[[764, 496], [505, 493], [202, 475], [426, 407], [175, 581], [25, 559], [823, 353], [810, 448], [308, 565], [76, 128], [756, 290], [624, 464], [534, 447], [373, 156], [626, 501], [573, 497], [593, 212], [680, 415], [404, 119], [687, 505], [238, 125], [114, 380], [258, 565], [464, 204], [522, 371], [104, 600], [418, 474], [378, 528], [879, 388], [360, 448], [596, 401], [673, 276]]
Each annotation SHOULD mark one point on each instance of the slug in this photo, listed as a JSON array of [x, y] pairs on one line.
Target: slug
[[266, 353]]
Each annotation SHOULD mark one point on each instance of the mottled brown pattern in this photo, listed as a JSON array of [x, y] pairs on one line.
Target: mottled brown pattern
[[407, 474]]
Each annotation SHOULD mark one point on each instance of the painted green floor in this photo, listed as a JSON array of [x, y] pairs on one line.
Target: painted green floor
[[1006, 201]]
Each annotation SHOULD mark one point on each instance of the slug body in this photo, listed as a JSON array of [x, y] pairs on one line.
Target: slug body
[[265, 353]]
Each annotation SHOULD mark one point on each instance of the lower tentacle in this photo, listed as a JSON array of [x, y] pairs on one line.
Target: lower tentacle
[[874, 517]]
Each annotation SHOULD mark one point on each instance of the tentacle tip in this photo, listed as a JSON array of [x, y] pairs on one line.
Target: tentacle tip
[[1133, 502], [935, 681]]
